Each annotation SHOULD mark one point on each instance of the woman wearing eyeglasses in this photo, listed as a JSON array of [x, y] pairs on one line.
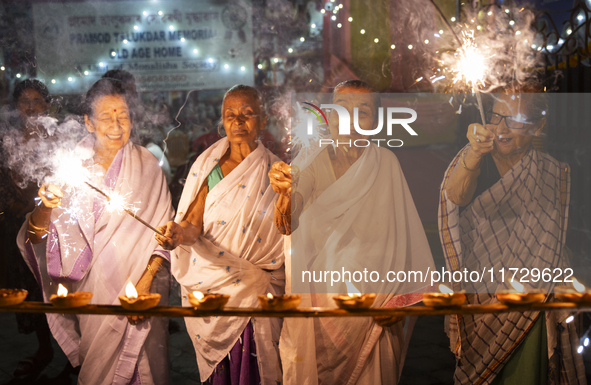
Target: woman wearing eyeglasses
[[503, 205]]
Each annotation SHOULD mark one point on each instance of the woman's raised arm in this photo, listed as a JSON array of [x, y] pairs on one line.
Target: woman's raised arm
[[462, 183]]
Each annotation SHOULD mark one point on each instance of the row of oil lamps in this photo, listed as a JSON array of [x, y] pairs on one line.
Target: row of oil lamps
[[211, 301], [64, 300]]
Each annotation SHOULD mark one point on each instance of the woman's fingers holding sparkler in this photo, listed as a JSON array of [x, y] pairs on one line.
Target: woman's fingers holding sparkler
[[50, 195], [481, 139], [280, 178], [173, 235]]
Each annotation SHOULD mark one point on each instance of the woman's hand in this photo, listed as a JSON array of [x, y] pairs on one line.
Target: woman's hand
[[481, 138], [387, 321], [173, 235], [280, 178], [144, 284], [40, 218], [50, 195], [143, 287]]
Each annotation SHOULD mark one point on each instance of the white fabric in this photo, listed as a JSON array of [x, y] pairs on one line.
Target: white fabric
[[365, 219], [108, 347], [240, 253]]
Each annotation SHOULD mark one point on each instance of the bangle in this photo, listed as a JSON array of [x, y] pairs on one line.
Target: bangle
[[31, 225], [464, 162], [151, 270]]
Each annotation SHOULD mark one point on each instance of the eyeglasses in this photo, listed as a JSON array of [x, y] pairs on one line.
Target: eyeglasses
[[510, 121]]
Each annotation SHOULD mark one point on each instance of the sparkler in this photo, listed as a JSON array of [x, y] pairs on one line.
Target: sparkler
[[69, 171], [118, 203], [471, 62]]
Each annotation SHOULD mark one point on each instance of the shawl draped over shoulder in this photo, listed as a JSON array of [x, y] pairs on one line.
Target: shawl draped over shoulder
[[240, 253], [366, 219], [520, 222], [90, 249]]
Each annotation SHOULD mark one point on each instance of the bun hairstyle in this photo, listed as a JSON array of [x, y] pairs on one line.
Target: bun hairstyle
[[32, 84], [106, 87]]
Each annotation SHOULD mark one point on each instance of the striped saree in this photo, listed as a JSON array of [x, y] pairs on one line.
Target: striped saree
[[520, 222]]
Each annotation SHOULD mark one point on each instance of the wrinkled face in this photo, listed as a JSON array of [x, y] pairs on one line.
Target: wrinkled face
[[513, 141], [31, 104], [351, 98], [110, 122], [242, 118]]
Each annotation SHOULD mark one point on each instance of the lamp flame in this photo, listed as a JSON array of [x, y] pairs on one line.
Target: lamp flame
[[269, 295], [130, 290], [578, 286], [517, 286], [62, 291], [197, 294], [445, 289]]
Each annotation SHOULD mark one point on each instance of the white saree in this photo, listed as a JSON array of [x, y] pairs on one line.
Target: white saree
[[240, 253], [365, 219], [99, 252]]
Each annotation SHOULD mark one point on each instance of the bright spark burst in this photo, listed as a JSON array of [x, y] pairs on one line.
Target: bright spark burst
[[118, 203], [471, 64], [68, 169]]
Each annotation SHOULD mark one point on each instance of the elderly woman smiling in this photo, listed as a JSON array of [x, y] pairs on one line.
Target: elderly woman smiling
[[73, 239], [226, 218], [504, 205]]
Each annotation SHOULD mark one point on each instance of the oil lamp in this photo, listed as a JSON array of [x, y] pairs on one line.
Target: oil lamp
[[10, 297], [518, 296], [445, 297], [209, 301], [132, 301], [65, 300], [279, 302]]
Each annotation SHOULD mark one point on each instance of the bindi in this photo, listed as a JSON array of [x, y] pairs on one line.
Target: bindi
[[115, 110]]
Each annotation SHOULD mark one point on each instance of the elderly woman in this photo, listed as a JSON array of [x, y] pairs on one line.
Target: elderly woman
[[225, 221], [31, 100], [74, 239], [350, 210], [505, 205]]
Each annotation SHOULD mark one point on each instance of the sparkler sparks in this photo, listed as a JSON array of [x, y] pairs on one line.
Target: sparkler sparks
[[487, 58], [471, 63], [68, 168], [119, 205]]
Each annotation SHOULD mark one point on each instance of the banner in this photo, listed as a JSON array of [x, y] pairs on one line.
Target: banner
[[172, 45]]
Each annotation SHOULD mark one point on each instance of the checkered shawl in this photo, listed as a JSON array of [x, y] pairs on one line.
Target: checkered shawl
[[519, 222]]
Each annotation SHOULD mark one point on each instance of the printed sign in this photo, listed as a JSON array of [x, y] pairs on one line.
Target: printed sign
[[172, 45]]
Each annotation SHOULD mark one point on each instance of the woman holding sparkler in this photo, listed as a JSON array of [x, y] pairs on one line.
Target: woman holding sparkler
[[505, 205], [225, 217], [350, 209], [78, 239]]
